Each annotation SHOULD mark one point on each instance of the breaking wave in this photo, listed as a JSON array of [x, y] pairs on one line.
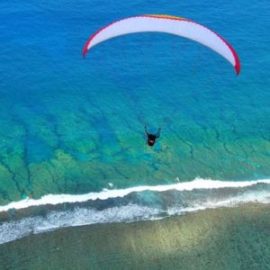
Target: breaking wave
[[126, 205]]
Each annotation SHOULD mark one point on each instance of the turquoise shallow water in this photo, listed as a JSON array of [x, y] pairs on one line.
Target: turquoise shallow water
[[73, 125], [76, 126]]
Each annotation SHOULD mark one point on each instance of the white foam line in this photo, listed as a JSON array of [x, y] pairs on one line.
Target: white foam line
[[12, 230], [262, 197], [198, 183]]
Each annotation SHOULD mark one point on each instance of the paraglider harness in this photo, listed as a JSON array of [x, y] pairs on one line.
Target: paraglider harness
[[151, 138]]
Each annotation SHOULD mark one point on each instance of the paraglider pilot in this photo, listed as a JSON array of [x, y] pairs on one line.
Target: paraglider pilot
[[151, 138]]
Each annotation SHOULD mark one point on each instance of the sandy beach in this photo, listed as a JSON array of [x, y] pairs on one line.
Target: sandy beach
[[224, 238]]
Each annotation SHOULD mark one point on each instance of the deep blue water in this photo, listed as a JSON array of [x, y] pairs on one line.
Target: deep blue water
[[74, 125]]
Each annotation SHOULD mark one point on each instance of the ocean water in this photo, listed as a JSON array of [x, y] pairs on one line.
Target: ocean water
[[75, 126]]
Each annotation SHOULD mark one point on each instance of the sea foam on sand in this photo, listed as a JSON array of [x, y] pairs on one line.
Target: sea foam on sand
[[236, 193]]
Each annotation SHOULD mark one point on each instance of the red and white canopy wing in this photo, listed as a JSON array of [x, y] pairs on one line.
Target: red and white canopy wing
[[166, 24]]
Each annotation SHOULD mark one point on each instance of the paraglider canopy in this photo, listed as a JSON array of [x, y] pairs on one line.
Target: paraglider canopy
[[166, 24]]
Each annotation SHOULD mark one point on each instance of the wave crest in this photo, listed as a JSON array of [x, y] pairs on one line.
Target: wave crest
[[198, 183], [127, 205]]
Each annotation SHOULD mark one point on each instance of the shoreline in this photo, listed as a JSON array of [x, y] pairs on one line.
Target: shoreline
[[197, 183], [222, 238]]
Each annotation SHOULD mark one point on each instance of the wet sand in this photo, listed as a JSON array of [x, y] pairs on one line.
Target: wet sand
[[224, 238]]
